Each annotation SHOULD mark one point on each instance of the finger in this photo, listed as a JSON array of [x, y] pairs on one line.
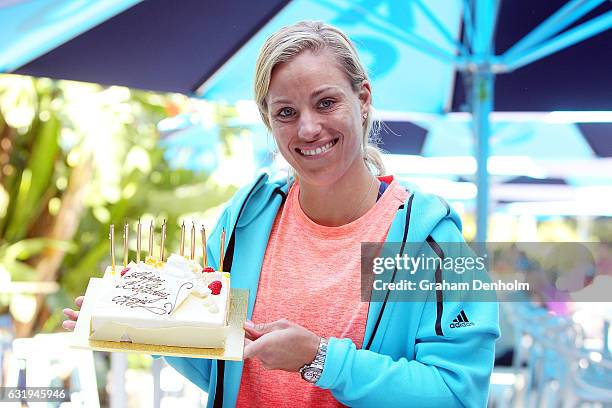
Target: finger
[[251, 335], [69, 325], [249, 330], [71, 314], [259, 329], [252, 332], [79, 301]]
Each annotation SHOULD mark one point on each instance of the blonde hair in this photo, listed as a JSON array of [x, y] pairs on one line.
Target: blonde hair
[[290, 41]]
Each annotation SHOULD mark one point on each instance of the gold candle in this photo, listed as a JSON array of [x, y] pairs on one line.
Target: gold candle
[[204, 261], [163, 241], [111, 237], [192, 240], [138, 240], [183, 239], [126, 228], [151, 233], [221, 254]]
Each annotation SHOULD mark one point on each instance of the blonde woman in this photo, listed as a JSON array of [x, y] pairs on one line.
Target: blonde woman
[[295, 245]]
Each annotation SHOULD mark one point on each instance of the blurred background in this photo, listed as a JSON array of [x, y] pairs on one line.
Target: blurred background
[[124, 109]]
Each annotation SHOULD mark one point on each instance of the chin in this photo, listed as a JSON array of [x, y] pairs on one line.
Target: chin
[[323, 178]]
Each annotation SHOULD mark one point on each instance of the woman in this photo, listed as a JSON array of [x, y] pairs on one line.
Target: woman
[[296, 247]]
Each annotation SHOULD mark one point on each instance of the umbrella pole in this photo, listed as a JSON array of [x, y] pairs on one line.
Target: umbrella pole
[[482, 104], [485, 13]]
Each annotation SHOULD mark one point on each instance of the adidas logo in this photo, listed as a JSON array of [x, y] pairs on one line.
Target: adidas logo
[[461, 321]]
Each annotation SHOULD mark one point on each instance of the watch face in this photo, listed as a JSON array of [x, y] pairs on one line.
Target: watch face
[[312, 374]]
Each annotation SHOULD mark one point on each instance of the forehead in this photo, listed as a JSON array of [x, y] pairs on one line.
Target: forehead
[[307, 71]]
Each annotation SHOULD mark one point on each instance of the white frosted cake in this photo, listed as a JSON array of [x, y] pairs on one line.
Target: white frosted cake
[[175, 303]]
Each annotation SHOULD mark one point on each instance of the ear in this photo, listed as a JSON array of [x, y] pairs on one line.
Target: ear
[[365, 97]]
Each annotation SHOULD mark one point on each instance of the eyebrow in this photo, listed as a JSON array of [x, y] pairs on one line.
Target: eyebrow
[[323, 90], [314, 94]]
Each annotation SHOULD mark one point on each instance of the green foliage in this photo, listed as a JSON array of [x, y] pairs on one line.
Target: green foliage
[[61, 137], [36, 179], [13, 256]]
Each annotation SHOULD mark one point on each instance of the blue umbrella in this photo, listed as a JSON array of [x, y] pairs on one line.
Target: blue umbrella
[[414, 49], [157, 45], [390, 42], [208, 49]]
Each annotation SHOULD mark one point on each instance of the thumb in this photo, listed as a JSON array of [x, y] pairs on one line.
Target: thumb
[[251, 349]]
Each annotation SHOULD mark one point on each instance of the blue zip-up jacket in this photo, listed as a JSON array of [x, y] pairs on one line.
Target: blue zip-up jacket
[[413, 358]]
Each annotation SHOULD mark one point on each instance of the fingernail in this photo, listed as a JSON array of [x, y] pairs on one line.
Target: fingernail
[[249, 324], [66, 311]]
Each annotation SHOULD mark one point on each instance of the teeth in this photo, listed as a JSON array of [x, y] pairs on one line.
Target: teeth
[[318, 150]]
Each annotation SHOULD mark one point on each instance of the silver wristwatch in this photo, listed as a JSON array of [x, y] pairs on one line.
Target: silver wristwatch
[[312, 372]]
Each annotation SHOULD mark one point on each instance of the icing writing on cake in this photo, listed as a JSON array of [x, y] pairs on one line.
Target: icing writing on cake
[[145, 289]]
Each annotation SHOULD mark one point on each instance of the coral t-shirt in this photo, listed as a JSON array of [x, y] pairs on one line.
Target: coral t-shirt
[[311, 275]]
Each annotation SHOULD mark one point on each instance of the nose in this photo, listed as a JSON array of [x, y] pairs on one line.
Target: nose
[[309, 126]]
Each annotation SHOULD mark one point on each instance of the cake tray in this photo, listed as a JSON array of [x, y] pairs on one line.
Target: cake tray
[[234, 343]]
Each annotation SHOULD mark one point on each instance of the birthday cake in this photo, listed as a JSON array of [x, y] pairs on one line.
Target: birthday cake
[[172, 303]]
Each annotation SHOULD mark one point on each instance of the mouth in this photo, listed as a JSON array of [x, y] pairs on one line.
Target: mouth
[[318, 151]]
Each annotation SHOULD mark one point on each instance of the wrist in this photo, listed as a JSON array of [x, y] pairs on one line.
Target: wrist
[[312, 348], [312, 371]]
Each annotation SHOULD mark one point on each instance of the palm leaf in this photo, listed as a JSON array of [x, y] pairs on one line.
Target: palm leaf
[[27, 248], [19, 271], [36, 179]]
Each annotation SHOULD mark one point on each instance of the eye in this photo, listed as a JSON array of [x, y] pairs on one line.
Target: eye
[[286, 112], [326, 103]]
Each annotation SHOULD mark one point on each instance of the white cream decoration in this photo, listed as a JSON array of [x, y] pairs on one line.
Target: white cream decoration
[[200, 290], [185, 274], [178, 267]]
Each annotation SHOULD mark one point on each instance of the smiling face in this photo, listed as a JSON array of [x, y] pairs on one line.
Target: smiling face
[[316, 117]]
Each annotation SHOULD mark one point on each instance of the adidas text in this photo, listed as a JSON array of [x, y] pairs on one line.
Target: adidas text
[[462, 324]]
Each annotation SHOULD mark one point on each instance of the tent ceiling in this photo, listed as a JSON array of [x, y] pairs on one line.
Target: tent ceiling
[[576, 78], [180, 48], [599, 136]]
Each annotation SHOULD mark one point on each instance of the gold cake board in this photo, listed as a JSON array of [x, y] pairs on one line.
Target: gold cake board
[[234, 344]]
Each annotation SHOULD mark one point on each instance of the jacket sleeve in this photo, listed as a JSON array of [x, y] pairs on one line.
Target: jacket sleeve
[[448, 370]]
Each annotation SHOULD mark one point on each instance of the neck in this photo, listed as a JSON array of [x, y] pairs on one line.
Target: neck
[[343, 201]]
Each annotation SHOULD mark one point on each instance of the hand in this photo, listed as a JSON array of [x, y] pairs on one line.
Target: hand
[[72, 315], [280, 345]]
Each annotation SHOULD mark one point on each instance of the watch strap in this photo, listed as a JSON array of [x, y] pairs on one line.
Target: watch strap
[[318, 362]]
